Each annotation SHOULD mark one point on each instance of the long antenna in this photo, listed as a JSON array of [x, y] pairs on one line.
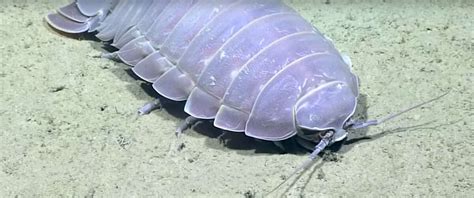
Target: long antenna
[[359, 125], [326, 139]]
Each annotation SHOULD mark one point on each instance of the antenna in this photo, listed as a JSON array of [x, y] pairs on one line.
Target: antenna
[[326, 139], [360, 124]]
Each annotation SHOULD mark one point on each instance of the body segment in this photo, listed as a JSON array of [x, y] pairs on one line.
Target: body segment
[[253, 66]]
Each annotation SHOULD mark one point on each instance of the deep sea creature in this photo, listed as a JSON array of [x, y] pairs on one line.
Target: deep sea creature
[[251, 66]]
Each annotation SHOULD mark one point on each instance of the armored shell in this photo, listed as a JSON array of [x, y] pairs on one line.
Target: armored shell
[[253, 66]]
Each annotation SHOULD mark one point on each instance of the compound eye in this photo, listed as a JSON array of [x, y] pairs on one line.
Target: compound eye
[[309, 132], [311, 135]]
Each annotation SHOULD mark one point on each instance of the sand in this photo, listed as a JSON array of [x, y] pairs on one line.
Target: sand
[[68, 124]]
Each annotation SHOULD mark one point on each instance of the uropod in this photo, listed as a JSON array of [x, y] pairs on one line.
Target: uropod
[[255, 67]]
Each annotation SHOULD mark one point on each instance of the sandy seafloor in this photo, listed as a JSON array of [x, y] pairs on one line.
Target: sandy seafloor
[[68, 126]]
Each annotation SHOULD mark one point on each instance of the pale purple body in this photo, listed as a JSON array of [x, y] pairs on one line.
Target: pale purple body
[[253, 66]]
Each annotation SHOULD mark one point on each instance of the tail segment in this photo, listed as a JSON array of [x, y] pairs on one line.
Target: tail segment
[[77, 18]]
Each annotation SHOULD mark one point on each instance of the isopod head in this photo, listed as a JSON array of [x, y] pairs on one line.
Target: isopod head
[[327, 107]]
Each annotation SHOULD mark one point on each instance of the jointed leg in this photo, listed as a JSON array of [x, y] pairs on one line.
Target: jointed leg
[[186, 124], [149, 107]]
